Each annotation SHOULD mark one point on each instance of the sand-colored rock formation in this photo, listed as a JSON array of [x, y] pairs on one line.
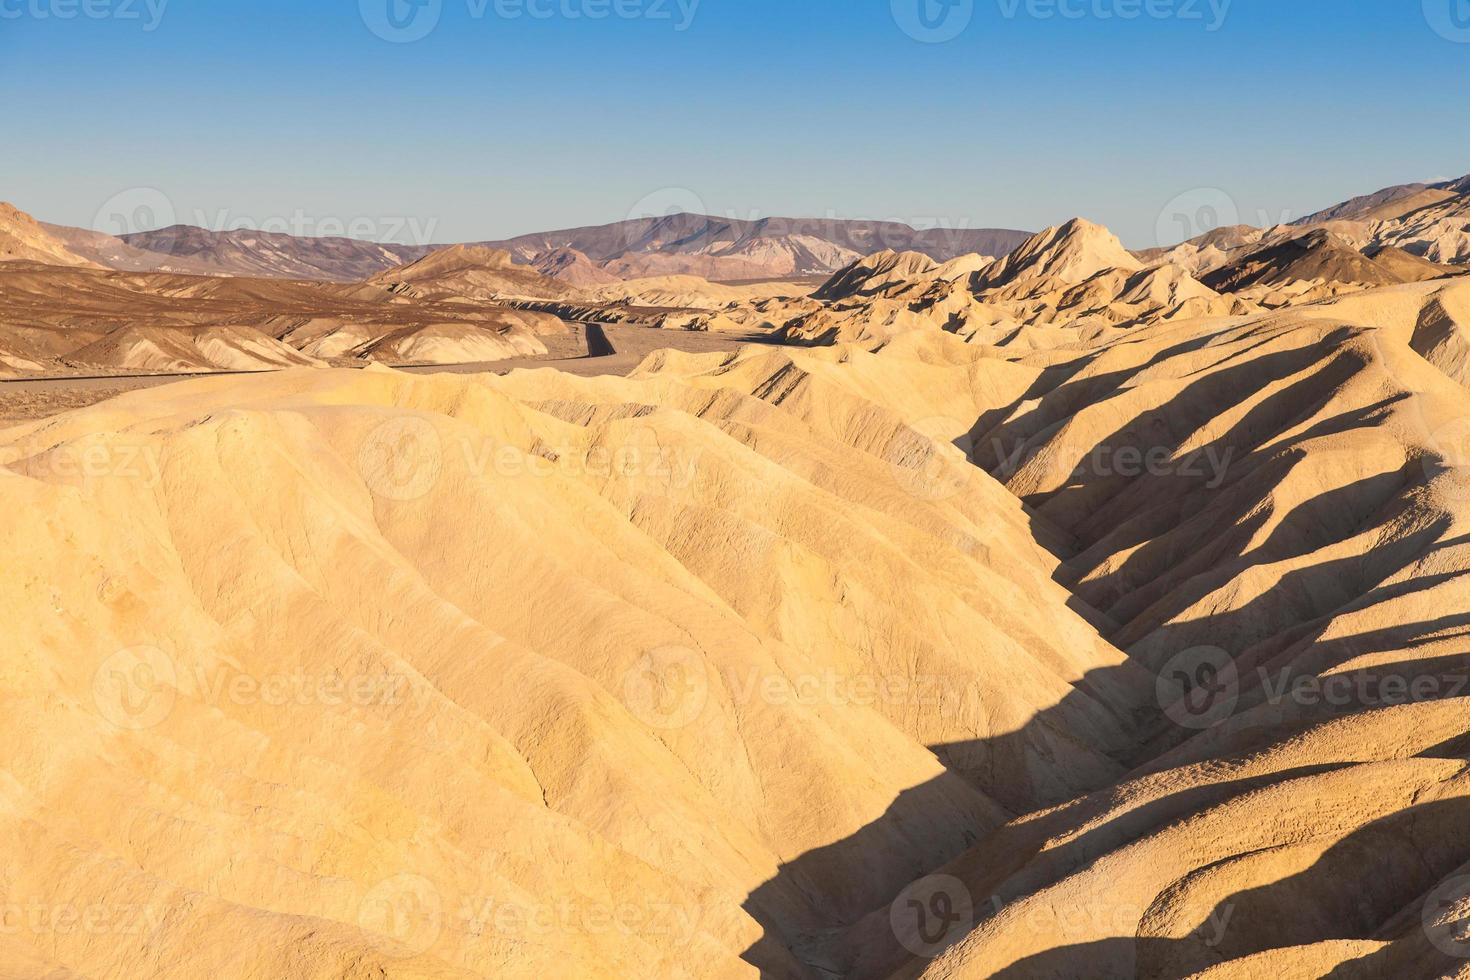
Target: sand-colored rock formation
[[878, 273], [1420, 221], [915, 658], [66, 319], [145, 350], [691, 293], [515, 654], [1075, 281], [1076, 284], [1438, 231], [470, 272], [1321, 263], [1072, 613]]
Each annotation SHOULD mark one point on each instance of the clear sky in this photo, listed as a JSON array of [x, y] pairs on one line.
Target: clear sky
[[510, 116]]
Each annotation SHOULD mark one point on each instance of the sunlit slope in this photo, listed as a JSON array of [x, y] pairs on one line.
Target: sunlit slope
[[338, 673]]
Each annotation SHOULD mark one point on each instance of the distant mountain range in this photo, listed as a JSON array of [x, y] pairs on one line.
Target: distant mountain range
[[1391, 202], [276, 255], [679, 244], [1427, 220], [725, 249]]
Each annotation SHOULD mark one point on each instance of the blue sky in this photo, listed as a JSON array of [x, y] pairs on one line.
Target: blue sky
[[511, 116]]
